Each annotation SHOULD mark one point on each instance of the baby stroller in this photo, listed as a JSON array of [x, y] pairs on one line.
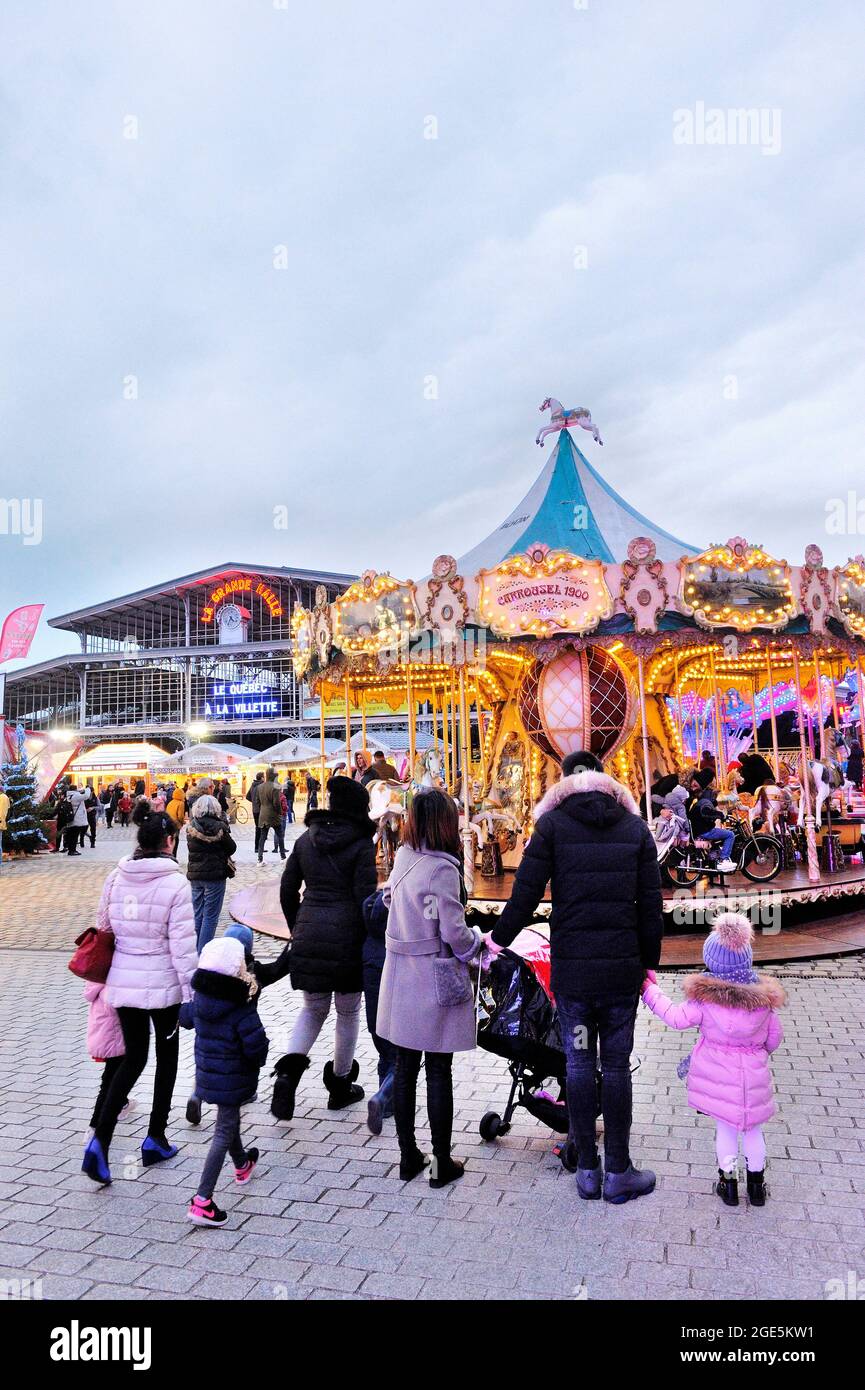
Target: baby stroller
[[517, 1019]]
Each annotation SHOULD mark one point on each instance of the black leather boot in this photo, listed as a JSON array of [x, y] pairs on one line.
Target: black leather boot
[[340, 1089], [757, 1188], [727, 1187], [288, 1071]]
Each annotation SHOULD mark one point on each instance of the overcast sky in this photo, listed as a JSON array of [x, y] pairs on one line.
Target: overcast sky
[[283, 262]]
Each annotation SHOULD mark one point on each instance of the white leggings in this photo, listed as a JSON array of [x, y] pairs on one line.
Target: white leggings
[[727, 1146], [310, 1022]]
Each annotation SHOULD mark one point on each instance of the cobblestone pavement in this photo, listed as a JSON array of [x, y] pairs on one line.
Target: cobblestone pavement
[[326, 1215]]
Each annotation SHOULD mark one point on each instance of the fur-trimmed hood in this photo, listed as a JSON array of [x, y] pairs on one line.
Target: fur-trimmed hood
[[765, 993], [209, 829], [584, 784]]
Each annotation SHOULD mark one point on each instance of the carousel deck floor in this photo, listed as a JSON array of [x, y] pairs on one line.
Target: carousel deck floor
[[792, 884], [838, 937], [839, 934]]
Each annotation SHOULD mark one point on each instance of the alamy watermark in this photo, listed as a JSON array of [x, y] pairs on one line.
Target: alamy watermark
[[759, 126], [22, 517]]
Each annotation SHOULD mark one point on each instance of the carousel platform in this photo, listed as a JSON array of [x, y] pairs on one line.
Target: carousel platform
[[791, 886], [813, 920], [839, 936]]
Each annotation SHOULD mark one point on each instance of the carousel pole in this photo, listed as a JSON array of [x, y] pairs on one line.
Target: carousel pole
[[446, 775], [347, 731], [468, 840], [834, 697], [645, 738], [754, 710], [435, 714], [321, 730], [719, 739], [818, 694], [861, 704], [409, 694], [679, 707], [775, 753], [363, 719], [454, 742], [481, 739], [810, 833]]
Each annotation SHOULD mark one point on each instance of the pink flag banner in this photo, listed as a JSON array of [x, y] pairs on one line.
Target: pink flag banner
[[19, 630]]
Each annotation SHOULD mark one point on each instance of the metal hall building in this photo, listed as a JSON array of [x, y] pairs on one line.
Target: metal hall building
[[211, 648]]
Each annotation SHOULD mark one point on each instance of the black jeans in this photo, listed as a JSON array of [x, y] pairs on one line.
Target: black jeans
[[590, 1025], [109, 1068], [439, 1099], [371, 987], [261, 838], [136, 1036]]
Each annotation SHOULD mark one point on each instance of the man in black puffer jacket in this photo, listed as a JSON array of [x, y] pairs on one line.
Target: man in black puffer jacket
[[605, 933]]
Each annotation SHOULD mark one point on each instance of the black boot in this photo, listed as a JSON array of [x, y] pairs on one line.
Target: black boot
[[756, 1188], [445, 1170], [288, 1071], [341, 1091], [727, 1187]]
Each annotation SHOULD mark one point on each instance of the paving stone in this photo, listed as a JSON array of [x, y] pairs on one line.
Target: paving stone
[[326, 1215]]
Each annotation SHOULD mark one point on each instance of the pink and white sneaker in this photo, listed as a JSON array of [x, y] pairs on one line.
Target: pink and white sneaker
[[203, 1211], [244, 1173]]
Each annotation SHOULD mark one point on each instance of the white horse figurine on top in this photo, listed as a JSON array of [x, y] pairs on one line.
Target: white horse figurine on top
[[562, 419]]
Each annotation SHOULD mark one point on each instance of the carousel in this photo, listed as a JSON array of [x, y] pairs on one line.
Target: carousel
[[578, 624]]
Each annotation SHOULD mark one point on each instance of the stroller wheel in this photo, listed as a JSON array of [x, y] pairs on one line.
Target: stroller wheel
[[491, 1126]]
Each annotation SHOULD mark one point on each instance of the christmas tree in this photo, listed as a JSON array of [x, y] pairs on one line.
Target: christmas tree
[[23, 829]]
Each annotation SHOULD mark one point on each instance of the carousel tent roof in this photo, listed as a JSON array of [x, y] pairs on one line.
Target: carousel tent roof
[[547, 514]]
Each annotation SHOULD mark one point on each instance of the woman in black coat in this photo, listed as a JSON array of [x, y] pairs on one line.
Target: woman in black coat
[[334, 860]]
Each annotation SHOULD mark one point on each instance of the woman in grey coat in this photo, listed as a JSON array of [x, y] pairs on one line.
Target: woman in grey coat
[[426, 1004]]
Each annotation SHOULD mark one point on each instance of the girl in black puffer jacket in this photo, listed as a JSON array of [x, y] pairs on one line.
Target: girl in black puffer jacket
[[335, 861], [230, 1049]]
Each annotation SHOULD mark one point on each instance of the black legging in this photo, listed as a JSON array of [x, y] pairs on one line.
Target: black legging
[[439, 1099], [136, 1037], [109, 1068]]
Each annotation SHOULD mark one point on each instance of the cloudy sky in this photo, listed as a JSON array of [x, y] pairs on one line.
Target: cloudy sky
[[241, 275]]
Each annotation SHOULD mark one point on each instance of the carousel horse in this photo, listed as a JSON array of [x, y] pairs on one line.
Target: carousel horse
[[427, 770], [825, 776], [492, 820], [561, 419], [387, 808]]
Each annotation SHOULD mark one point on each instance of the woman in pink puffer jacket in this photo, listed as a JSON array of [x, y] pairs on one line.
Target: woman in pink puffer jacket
[[728, 1071], [147, 903]]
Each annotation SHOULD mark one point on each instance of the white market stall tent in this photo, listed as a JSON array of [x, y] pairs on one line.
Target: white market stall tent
[[207, 757]]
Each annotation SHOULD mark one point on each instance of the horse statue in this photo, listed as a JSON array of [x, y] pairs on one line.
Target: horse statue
[[427, 770], [387, 807], [561, 419], [825, 776]]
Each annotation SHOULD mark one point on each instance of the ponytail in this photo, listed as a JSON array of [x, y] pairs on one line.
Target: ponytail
[[154, 827]]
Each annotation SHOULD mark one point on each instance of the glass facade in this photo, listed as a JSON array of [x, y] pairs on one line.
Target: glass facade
[[213, 649]]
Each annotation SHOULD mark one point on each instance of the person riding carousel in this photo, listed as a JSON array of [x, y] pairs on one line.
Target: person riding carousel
[[706, 818]]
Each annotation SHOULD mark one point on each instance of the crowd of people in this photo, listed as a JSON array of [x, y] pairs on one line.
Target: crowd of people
[[402, 954]]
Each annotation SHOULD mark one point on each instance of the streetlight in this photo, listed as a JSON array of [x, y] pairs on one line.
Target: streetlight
[[196, 731]]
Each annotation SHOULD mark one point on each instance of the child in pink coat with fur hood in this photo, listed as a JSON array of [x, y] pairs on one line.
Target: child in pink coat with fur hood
[[728, 1071], [104, 1042]]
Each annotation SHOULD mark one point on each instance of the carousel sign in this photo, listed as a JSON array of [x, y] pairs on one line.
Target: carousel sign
[[737, 585], [543, 592]]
